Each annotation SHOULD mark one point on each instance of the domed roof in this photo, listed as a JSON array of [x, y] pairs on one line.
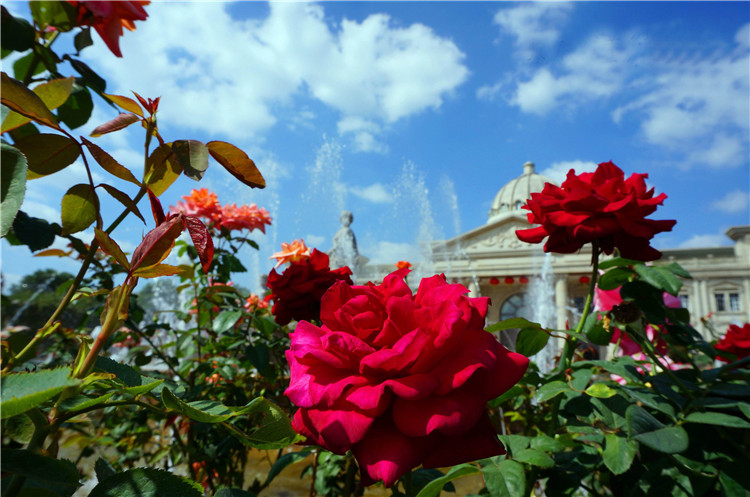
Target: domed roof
[[513, 195]]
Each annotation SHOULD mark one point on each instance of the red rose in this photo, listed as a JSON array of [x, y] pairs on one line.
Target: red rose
[[601, 206], [736, 341], [400, 379], [298, 290], [108, 18]]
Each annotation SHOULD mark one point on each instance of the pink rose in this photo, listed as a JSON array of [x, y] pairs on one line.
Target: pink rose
[[400, 379]]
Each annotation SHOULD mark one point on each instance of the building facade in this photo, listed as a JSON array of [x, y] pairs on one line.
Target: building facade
[[520, 279]]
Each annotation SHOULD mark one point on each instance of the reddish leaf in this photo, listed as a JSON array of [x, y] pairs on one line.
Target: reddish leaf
[[123, 198], [163, 169], [109, 164], [156, 208], [52, 252], [202, 240], [110, 247], [120, 122], [157, 243], [47, 153], [237, 163], [159, 270], [18, 98], [52, 93], [193, 156], [126, 103]]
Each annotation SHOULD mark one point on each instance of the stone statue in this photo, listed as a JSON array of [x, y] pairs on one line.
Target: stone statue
[[344, 251]]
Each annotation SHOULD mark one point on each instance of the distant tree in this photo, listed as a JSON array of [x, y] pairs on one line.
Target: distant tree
[[32, 301]]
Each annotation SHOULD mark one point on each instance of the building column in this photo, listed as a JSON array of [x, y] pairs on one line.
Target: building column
[[561, 301]]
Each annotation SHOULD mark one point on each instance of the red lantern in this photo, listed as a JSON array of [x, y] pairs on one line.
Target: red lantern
[[509, 280], [523, 279], [584, 280], [494, 281]]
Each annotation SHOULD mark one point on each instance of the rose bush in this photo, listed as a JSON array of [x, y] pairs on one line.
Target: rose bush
[[601, 207], [400, 379], [736, 342], [296, 292]]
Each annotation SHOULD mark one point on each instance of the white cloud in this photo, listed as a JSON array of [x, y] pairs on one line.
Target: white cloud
[[375, 193], [533, 24], [315, 241], [373, 70], [702, 241], [596, 70], [733, 202], [558, 171], [366, 134], [385, 252], [698, 106]]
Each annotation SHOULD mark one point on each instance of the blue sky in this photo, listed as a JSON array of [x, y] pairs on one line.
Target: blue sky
[[413, 114]]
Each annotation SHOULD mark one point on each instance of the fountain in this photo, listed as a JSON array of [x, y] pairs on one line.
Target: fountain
[[540, 299]]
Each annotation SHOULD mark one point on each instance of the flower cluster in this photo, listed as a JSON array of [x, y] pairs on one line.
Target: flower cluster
[[291, 252], [108, 19], [204, 203], [601, 207], [254, 302], [736, 342], [296, 293], [400, 379]]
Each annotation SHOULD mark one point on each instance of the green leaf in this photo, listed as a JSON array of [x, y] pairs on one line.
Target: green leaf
[[103, 469], [92, 80], [531, 340], [146, 482], [551, 390], [59, 475], [80, 208], [109, 164], [123, 372], [597, 333], [717, 418], [512, 323], [47, 153], [614, 278], [36, 233], [81, 402], [19, 428], [534, 457], [282, 462], [649, 431], [62, 15], [225, 320], [203, 411], [617, 261], [83, 39], [434, 488], [13, 185], [515, 443], [193, 156], [77, 109], [237, 163], [20, 99], [546, 443], [163, 169], [660, 277], [618, 453], [274, 427], [600, 390], [16, 33], [504, 478], [22, 391], [233, 492], [514, 391]]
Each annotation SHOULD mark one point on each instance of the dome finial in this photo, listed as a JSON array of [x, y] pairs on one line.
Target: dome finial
[[528, 168]]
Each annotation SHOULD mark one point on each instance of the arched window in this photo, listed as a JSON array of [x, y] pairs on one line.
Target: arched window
[[519, 204]]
